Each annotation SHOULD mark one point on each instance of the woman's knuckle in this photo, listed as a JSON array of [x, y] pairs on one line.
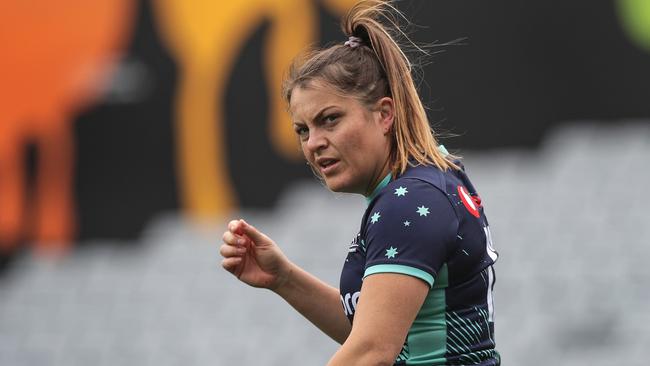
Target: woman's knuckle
[[232, 225], [224, 250]]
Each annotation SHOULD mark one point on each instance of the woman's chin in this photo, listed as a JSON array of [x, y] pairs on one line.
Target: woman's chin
[[333, 184], [339, 186], [332, 187]]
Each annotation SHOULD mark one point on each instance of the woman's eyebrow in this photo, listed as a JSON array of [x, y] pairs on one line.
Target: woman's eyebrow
[[320, 114], [316, 117]]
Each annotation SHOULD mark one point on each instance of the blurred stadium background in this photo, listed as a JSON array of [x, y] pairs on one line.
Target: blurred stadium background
[[131, 130]]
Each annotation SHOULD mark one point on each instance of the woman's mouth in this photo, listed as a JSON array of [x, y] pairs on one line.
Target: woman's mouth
[[327, 165]]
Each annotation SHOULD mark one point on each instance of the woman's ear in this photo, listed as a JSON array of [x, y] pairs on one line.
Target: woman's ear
[[386, 109]]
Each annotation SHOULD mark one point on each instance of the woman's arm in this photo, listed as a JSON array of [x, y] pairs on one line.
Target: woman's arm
[[256, 260], [317, 301], [387, 307]]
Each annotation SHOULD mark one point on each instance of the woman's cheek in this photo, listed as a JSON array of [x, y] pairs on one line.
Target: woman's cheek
[[305, 152]]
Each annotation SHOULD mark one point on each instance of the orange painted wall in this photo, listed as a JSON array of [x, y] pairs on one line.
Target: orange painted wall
[[55, 57]]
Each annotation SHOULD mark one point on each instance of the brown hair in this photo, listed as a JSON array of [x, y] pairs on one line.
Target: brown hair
[[377, 68]]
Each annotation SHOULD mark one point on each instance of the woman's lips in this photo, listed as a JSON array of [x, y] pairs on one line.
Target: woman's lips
[[328, 167]]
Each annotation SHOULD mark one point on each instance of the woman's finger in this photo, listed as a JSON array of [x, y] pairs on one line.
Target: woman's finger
[[232, 239], [230, 264], [235, 226], [229, 238], [227, 251]]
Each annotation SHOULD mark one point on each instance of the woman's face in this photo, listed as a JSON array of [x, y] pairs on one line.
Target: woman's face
[[346, 142]]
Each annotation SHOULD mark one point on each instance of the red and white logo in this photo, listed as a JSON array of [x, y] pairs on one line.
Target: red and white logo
[[468, 201]]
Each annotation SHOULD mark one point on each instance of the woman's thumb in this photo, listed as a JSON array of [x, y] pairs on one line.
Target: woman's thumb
[[255, 235]]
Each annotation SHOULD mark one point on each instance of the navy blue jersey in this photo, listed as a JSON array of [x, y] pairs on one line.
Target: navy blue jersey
[[430, 225]]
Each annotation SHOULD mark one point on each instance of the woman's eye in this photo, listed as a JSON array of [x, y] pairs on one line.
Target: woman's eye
[[331, 118], [302, 132]]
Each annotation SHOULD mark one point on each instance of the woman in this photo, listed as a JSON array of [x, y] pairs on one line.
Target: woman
[[416, 286]]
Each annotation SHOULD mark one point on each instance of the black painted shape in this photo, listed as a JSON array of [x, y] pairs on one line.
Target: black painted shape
[[258, 173], [125, 168]]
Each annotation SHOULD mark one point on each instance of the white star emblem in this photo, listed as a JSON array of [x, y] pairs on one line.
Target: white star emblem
[[407, 223], [375, 217], [423, 211], [401, 191], [391, 252]]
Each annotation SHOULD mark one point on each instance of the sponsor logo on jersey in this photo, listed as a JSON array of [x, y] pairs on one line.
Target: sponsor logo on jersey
[[349, 302], [355, 244], [489, 245], [469, 202]]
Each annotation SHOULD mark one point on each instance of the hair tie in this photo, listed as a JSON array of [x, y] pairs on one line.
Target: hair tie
[[354, 42]]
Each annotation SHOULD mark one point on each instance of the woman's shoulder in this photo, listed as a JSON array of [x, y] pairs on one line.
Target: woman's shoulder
[[432, 175], [418, 185], [409, 201]]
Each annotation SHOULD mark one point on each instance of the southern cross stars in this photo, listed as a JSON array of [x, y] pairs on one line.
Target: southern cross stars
[[391, 252], [401, 191], [407, 223], [423, 211], [375, 217]]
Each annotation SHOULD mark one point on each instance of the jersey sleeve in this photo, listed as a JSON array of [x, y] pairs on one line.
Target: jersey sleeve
[[410, 229]]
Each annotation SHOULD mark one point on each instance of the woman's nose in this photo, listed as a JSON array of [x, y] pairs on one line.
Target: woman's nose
[[316, 141]]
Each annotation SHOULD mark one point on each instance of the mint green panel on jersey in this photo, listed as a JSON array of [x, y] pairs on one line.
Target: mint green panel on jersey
[[397, 268], [427, 338]]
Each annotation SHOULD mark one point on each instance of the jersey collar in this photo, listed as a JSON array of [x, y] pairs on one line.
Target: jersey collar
[[384, 182], [388, 178], [443, 150]]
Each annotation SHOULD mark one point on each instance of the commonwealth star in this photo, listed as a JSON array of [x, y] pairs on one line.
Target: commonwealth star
[[423, 211], [401, 191], [391, 252]]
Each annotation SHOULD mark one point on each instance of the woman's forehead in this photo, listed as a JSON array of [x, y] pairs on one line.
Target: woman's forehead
[[308, 101]]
